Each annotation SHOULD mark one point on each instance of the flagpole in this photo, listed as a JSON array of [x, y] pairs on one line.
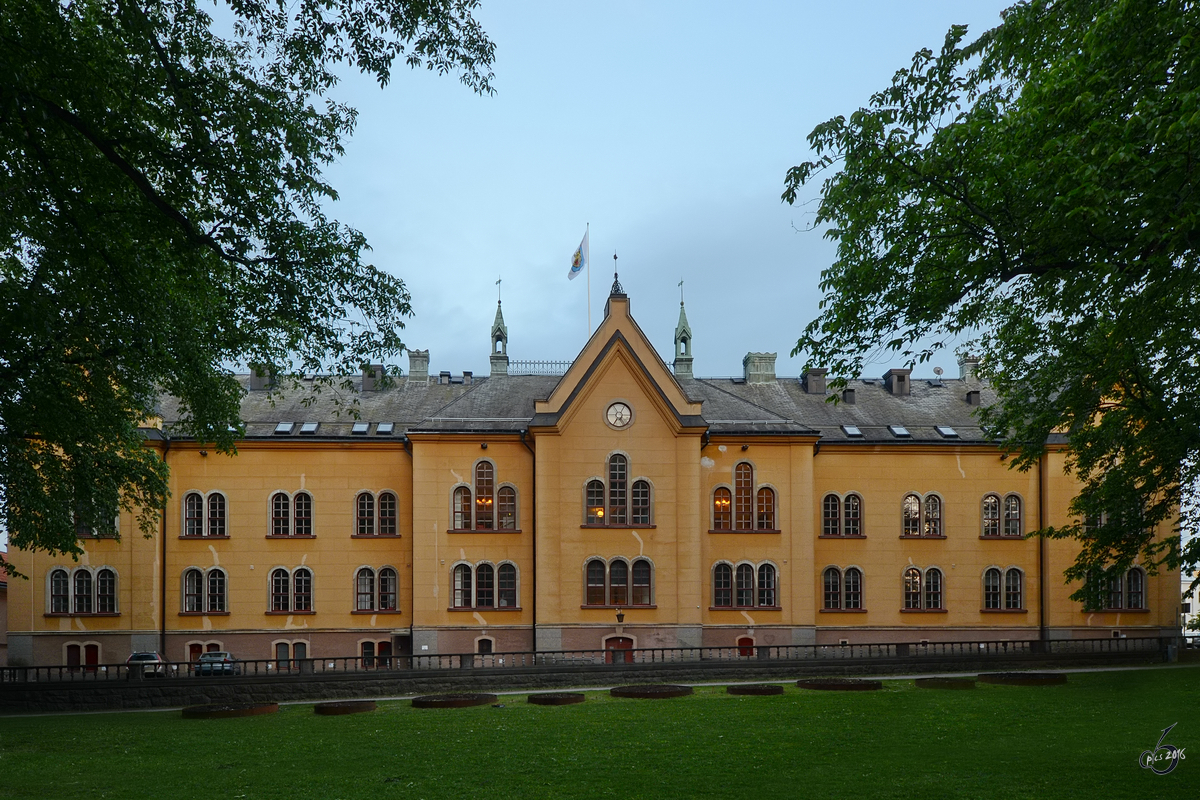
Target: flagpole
[[588, 236]]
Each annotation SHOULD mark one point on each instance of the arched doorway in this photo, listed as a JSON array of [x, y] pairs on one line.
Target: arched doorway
[[745, 646], [619, 650]]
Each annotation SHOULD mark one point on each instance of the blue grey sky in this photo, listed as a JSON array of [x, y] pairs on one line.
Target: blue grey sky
[[666, 126]]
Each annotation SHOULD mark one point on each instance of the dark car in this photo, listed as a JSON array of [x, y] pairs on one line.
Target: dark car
[[146, 665], [216, 662]]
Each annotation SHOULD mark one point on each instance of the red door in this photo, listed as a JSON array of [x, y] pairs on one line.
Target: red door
[[73, 657], [91, 656], [618, 643], [745, 646]]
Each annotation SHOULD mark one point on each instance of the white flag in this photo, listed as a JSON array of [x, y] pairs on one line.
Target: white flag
[[580, 259]]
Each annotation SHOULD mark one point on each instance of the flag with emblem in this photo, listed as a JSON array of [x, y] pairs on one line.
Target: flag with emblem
[[580, 259]]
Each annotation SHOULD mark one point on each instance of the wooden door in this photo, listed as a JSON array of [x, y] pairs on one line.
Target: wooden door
[[91, 656], [623, 647]]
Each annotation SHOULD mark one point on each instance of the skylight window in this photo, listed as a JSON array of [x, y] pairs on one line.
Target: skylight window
[[383, 429], [360, 428], [852, 430], [309, 428], [284, 428], [947, 431], [899, 431]]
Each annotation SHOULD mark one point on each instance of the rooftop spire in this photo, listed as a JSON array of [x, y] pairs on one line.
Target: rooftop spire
[[683, 341], [499, 337]]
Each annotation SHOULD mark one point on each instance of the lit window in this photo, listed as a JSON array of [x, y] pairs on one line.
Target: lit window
[[722, 510]]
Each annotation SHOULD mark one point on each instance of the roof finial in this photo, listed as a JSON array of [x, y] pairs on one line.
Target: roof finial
[[498, 279], [681, 291], [616, 287]]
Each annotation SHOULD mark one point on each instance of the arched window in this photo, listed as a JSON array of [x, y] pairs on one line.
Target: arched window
[[507, 506], [641, 583], [365, 514], [463, 596], [1013, 599], [193, 591], [744, 586], [766, 586], [933, 515], [485, 496], [388, 515], [83, 592], [1012, 515], [302, 590], [462, 508], [641, 503], [281, 596], [910, 512], [765, 520], [831, 515], [389, 589], [106, 592], [281, 523], [854, 581], [722, 510], [933, 589], [216, 514], [485, 586], [743, 491], [193, 514], [991, 589], [595, 503], [364, 590], [216, 603], [60, 592], [507, 586], [853, 515], [618, 476], [912, 588], [723, 586], [1135, 585], [618, 583], [991, 515], [1116, 595], [832, 579], [303, 517], [595, 583]]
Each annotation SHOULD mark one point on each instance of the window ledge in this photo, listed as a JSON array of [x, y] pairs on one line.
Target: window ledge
[[902, 536], [745, 608], [202, 538], [1004, 538], [1108, 611], [355, 536], [305, 536], [488, 609], [288, 613], [746, 530], [860, 536], [621, 526], [484, 530], [924, 611], [382, 611], [204, 613], [842, 610], [82, 614], [1004, 611], [624, 607]]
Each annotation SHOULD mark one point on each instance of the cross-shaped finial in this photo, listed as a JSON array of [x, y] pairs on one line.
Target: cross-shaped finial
[[498, 290], [616, 287], [681, 291]]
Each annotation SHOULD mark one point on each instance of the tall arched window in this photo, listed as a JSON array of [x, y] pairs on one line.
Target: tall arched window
[[216, 598], [462, 508], [722, 510], [910, 512], [933, 515], [463, 596], [388, 515], [193, 514], [281, 523], [641, 583], [618, 583], [60, 592], [609, 584], [389, 589], [506, 502], [485, 586], [933, 589], [216, 514], [921, 517], [641, 503], [595, 583], [1013, 598], [364, 514], [302, 590], [744, 586], [765, 520], [766, 586], [281, 596], [853, 515], [365, 590], [302, 519], [618, 476], [723, 586], [991, 589], [1012, 515], [83, 592], [832, 580], [595, 503], [743, 493], [106, 592], [854, 588], [1135, 585], [991, 515], [912, 588], [831, 515], [485, 496], [506, 586], [193, 591]]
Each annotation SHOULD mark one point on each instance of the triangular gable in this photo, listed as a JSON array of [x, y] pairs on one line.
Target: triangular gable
[[618, 333]]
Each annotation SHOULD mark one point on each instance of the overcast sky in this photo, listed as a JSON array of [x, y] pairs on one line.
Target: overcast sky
[[666, 126]]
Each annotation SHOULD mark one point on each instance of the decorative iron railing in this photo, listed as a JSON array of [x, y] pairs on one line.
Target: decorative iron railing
[[538, 367]]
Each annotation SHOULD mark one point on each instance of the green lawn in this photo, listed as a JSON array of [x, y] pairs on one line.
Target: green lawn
[[1079, 740]]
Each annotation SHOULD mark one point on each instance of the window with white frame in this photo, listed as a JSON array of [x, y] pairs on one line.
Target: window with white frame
[[291, 591], [921, 516], [843, 591], [82, 591], [1003, 589], [618, 582], [485, 505], [485, 585], [1002, 516], [841, 517], [204, 515], [924, 590], [745, 585], [617, 502], [376, 590], [205, 591], [291, 516], [376, 515]]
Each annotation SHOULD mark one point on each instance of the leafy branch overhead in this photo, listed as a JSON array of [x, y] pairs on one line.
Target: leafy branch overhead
[[1032, 195], [162, 217]]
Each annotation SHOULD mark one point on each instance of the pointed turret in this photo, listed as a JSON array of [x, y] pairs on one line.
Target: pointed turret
[[499, 356], [683, 345]]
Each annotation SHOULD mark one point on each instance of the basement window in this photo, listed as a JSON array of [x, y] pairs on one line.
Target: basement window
[[947, 432], [360, 428], [309, 428], [383, 429], [899, 431], [852, 431], [284, 428]]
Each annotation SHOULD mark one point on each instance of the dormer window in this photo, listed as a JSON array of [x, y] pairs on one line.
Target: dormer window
[[899, 431]]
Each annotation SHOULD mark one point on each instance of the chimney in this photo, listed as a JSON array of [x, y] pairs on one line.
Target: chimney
[[967, 366], [444, 377], [848, 396], [260, 378], [973, 397], [371, 375], [468, 377], [897, 381], [759, 367], [814, 381], [418, 366]]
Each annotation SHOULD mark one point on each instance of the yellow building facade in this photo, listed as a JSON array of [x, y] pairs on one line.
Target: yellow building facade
[[522, 512]]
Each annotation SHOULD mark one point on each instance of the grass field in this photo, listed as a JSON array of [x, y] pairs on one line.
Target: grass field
[[1081, 740]]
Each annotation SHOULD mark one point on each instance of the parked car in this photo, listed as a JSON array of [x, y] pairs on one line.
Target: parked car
[[150, 664], [216, 662]]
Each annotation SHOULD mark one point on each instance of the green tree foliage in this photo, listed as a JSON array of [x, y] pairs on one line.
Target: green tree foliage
[[161, 220], [1032, 197]]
